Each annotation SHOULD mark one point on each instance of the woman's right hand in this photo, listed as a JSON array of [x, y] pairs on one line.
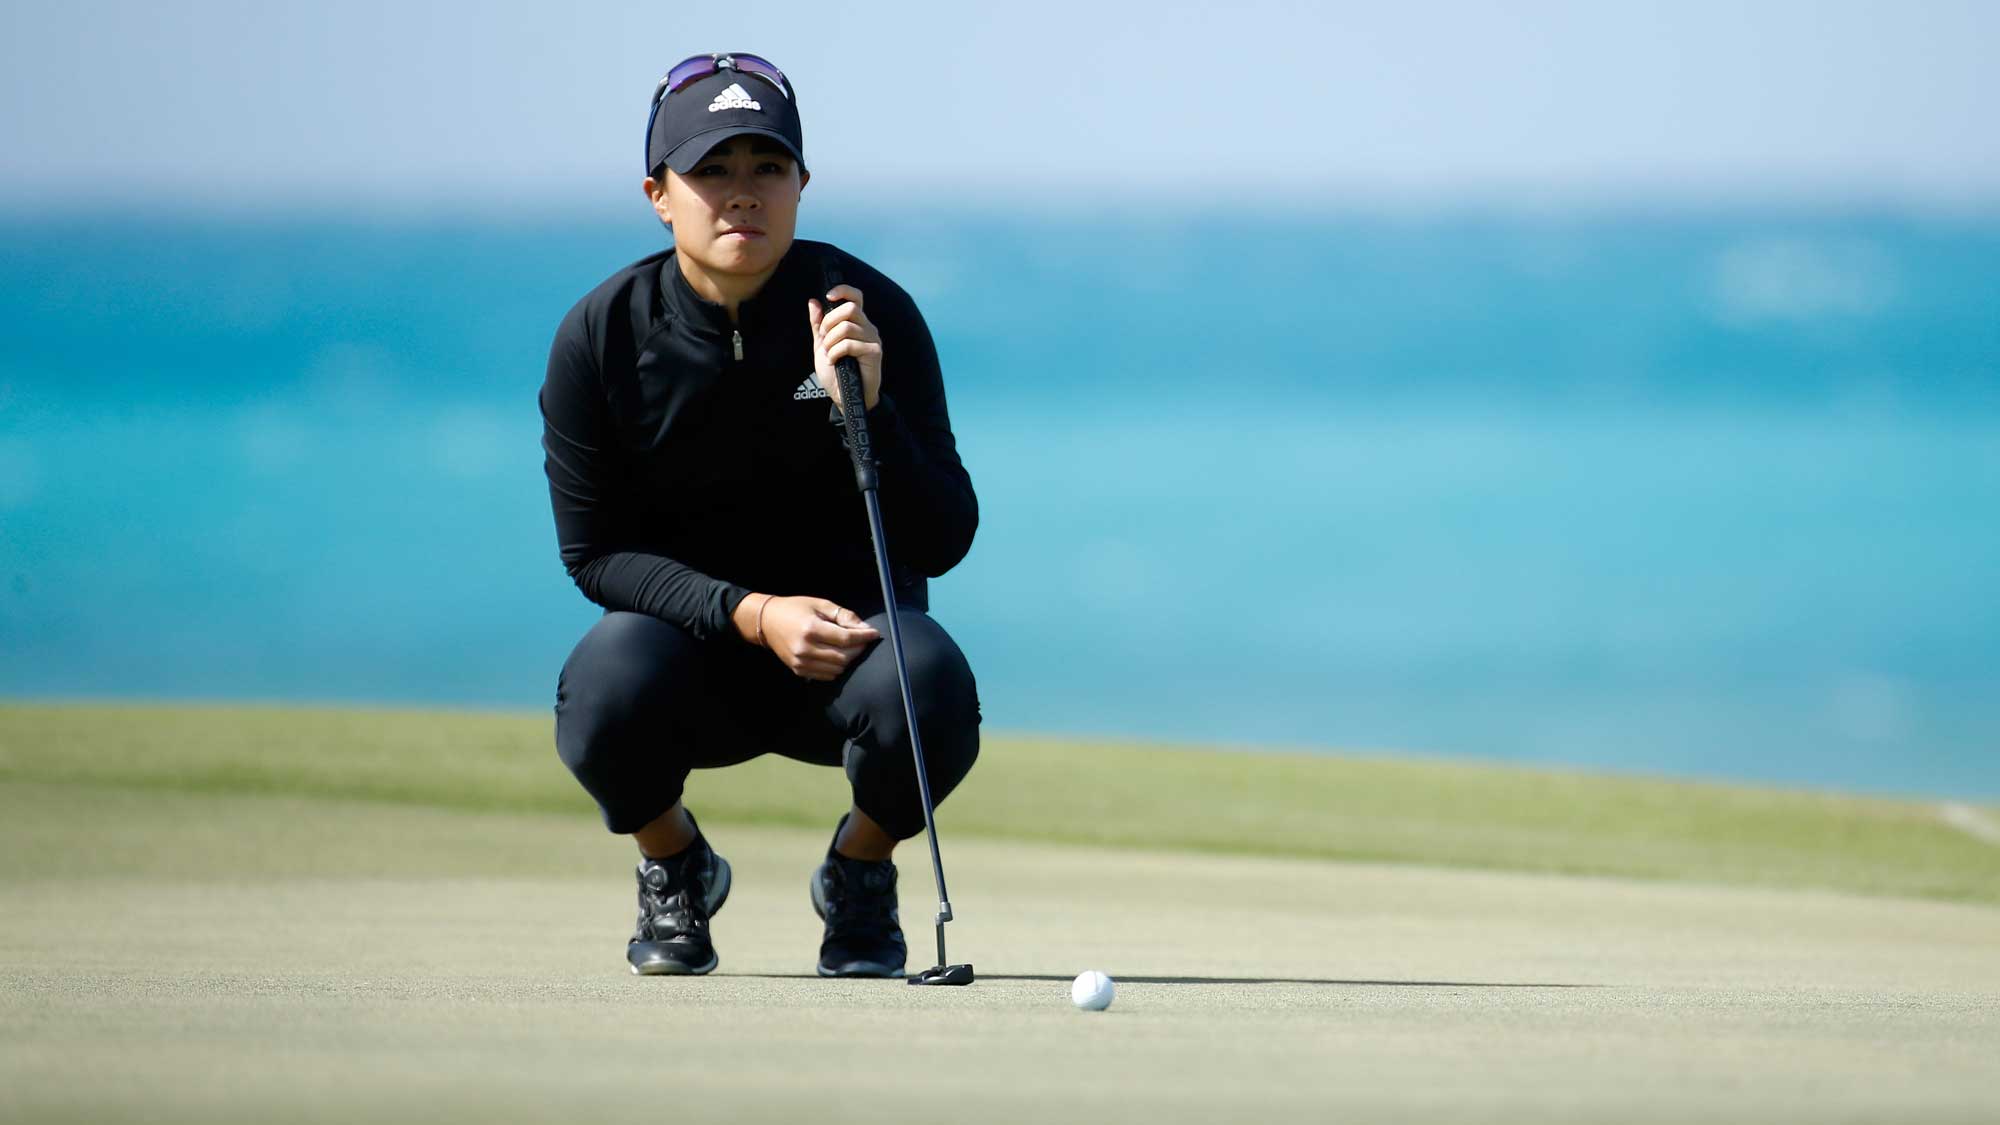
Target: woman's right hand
[[815, 638]]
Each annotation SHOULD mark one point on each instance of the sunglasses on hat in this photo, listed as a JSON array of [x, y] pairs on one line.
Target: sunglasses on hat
[[694, 68]]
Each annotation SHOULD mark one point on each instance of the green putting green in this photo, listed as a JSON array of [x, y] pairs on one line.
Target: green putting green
[[255, 915]]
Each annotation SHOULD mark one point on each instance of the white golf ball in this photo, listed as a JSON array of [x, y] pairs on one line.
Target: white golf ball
[[1091, 991]]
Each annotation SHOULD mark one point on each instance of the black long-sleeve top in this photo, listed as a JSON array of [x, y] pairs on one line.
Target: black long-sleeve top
[[692, 461]]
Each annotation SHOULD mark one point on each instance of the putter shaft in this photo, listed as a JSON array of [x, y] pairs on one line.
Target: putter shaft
[[909, 706], [854, 420]]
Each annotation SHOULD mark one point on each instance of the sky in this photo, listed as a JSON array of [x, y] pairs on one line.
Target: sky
[[518, 104]]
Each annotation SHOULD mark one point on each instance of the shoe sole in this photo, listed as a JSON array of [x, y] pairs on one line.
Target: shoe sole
[[852, 968], [718, 894], [862, 969], [663, 967]]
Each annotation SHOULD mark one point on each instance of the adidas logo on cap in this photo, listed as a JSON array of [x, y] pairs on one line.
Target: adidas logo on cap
[[733, 98], [808, 389]]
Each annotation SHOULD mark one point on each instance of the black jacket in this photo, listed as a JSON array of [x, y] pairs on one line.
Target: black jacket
[[684, 477]]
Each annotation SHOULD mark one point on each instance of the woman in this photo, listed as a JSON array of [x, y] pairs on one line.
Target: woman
[[704, 497]]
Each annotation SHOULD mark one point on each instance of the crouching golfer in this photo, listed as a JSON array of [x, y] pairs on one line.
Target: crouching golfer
[[704, 497]]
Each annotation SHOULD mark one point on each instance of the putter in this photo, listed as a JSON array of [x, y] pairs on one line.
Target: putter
[[848, 370]]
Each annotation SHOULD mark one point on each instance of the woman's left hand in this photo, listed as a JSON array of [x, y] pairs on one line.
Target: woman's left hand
[[845, 331]]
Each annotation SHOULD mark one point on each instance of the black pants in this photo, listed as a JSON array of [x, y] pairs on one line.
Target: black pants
[[641, 702]]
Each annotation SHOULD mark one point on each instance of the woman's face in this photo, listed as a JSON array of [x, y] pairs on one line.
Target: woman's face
[[735, 212]]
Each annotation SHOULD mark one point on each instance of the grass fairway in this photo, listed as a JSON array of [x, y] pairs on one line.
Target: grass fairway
[[261, 914], [1399, 810]]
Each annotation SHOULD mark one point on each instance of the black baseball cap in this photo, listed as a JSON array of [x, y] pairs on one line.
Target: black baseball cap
[[728, 103]]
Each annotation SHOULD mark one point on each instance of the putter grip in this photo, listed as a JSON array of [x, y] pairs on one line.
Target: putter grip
[[854, 420]]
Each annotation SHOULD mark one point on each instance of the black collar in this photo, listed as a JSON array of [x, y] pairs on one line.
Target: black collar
[[683, 303]]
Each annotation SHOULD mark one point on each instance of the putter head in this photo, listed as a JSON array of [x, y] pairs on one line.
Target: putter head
[[944, 974]]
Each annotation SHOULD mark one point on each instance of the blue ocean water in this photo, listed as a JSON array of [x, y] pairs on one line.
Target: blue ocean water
[[1706, 494]]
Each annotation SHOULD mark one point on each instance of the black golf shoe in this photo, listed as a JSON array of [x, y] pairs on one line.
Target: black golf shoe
[[676, 897], [857, 898]]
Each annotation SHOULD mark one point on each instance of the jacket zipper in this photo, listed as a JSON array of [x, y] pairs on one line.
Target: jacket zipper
[[737, 338]]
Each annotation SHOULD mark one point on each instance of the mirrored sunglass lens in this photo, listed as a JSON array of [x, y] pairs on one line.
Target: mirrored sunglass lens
[[687, 70], [751, 64]]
